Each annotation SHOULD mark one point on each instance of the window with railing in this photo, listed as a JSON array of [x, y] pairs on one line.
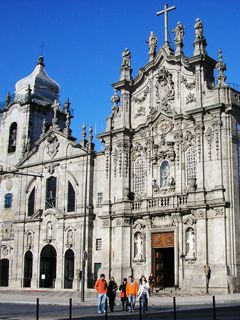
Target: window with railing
[[51, 187], [99, 199], [139, 175]]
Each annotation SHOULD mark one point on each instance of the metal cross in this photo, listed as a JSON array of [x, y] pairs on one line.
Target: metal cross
[[165, 12]]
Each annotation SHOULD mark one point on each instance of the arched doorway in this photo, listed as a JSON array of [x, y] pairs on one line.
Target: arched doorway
[[4, 272], [68, 269], [28, 260], [48, 261]]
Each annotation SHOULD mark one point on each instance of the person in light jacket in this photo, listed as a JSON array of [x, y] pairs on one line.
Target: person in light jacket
[[143, 293]]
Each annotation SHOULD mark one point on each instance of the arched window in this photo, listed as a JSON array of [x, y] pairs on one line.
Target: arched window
[[191, 163], [139, 175], [51, 188], [164, 174], [12, 137], [71, 198], [31, 203], [8, 200]]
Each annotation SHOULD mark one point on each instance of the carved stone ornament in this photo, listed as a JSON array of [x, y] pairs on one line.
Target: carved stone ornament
[[189, 220], [162, 222], [163, 126], [188, 85], [165, 94], [143, 98], [190, 98], [139, 225], [9, 184], [52, 144], [4, 251], [216, 213], [106, 223]]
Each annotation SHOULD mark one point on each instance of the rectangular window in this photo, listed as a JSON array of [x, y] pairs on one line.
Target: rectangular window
[[98, 244], [99, 199]]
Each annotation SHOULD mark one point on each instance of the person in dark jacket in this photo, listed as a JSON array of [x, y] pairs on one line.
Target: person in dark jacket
[[111, 292], [123, 296]]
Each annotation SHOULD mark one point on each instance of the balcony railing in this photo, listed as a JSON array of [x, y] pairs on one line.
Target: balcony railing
[[168, 202]]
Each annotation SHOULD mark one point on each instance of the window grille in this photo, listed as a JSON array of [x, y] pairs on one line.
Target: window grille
[[139, 175], [99, 198], [191, 163], [98, 244]]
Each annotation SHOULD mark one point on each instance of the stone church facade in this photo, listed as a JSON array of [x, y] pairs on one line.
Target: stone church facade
[[162, 196]]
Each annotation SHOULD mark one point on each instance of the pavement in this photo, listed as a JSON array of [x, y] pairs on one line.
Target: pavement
[[164, 298]]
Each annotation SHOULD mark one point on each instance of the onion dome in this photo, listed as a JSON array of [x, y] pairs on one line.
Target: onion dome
[[41, 85]]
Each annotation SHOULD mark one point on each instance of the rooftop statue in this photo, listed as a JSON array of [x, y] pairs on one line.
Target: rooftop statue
[[198, 29], [126, 58], [152, 44], [179, 33]]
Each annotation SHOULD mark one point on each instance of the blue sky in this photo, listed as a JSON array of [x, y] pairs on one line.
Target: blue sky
[[84, 39]]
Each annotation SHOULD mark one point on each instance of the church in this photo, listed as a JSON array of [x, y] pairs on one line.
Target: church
[[162, 196]]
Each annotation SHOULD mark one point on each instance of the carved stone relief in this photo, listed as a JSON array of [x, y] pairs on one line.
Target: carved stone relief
[[52, 144], [162, 222]]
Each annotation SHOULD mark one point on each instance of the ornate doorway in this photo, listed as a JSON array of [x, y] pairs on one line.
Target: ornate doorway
[[4, 272], [28, 260], [69, 269], [48, 261], [163, 259]]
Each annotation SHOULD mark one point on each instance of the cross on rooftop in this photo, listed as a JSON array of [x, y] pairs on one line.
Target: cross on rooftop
[[165, 12]]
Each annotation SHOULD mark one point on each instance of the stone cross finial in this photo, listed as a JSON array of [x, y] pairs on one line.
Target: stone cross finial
[[8, 98], [67, 129], [165, 12], [221, 67]]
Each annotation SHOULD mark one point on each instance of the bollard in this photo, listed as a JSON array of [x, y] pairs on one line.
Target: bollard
[[214, 308], [140, 308], [174, 308], [70, 308], [106, 308], [37, 309]]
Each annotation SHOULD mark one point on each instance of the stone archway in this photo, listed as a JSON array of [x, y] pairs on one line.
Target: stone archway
[[28, 262], [68, 269], [4, 272], [48, 265]]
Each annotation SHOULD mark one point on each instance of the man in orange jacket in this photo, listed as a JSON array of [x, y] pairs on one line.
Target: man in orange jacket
[[131, 292], [101, 288]]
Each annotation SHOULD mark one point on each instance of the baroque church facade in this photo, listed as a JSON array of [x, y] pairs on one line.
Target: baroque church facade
[[162, 197]]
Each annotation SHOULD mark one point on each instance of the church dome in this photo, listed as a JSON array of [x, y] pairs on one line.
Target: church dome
[[41, 85]]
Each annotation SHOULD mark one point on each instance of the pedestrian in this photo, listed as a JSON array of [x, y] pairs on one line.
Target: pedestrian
[[131, 292], [111, 292], [143, 293], [101, 288], [151, 283], [123, 295]]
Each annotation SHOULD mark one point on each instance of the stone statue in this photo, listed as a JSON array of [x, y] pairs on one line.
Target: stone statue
[[152, 44], [138, 246], [49, 230], [165, 172], [70, 238], [126, 57], [198, 29], [190, 243], [179, 33], [29, 240]]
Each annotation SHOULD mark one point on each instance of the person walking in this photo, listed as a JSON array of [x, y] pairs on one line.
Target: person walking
[[151, 283], [143, 293], [123, 295], [111, 292], [131, 292], [101, 288]]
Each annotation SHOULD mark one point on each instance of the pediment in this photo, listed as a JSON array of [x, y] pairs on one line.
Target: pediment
[[53, 146]]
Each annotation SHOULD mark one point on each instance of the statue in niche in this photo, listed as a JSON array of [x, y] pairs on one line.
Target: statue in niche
[[70, 238], [138, 246], [49, 230], [190, 243], [152, 43], [126, 57], [164, 174]]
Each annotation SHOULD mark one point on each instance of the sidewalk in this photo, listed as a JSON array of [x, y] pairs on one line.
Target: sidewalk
[[54, 297]]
